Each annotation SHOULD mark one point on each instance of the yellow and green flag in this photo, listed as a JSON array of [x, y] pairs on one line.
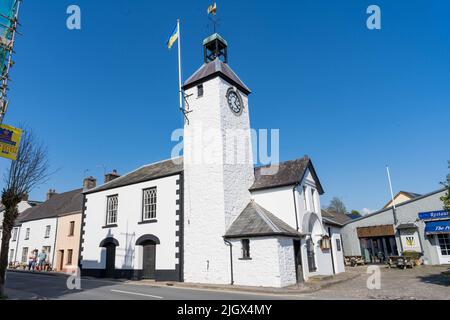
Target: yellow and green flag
[[173, 37]]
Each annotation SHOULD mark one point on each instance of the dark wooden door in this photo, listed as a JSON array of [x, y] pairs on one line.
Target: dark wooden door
[[110, 260], [149, 261], [61, 260]]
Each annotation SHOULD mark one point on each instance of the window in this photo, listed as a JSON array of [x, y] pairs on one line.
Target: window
[[11, 255], [24, 255], [444, 243], [111, 210], [71, 228], [27, 234], [200, 90], [313, 199], [149, 207], [47, 231], [245, 248], [305, 201], [69, 256], [338, 244], [14, 235]]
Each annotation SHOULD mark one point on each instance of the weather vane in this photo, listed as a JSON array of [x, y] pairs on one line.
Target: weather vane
[[212, 13]]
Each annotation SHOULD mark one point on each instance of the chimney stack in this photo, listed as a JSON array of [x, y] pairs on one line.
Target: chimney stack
[[89, 183], [50, 193], [111, 176]]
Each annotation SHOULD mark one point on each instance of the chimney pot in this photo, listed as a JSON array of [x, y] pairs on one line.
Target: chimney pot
[[111, 176], [89, 183], [50, 193]]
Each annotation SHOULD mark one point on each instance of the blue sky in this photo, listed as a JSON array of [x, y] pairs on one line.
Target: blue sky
[[352, 99]]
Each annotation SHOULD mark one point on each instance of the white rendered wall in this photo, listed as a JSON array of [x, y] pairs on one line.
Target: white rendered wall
[[216, 190], [128, 230], [272, 263], [278, 201]]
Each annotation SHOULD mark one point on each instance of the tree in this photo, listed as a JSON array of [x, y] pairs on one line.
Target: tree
[[337, 205], [24, 174], [355, 212], [446, 198]]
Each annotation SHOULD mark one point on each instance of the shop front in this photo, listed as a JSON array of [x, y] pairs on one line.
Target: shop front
[[377, 243], [437, 229]]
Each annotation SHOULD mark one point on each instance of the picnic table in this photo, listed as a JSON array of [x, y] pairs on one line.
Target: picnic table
[[400, 262], [354, 261]]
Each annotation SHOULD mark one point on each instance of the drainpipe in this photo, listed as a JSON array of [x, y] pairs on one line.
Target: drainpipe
[[231, 258], [295, 205]]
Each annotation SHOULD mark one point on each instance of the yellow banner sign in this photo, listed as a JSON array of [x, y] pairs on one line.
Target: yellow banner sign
[[9, 141]]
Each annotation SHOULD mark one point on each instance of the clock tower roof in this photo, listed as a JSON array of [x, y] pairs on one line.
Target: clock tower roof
[[214, 69]]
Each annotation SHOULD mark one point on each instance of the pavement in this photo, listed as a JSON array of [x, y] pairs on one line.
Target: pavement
[[421, 283]]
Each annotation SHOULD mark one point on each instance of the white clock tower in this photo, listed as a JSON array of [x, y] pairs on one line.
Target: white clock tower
[[218, 163]]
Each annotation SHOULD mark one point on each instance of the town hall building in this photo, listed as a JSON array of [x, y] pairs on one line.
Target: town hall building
[[202, 218]]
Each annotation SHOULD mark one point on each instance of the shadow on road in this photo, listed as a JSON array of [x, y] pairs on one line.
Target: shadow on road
[[25, 286]]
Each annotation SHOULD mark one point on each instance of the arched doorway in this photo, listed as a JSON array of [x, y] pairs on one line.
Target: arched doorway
[[110, 245], [148, 243], [312, 227]]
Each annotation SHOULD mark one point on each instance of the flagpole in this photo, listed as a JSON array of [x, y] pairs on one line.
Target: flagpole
[[392, 193], [179, 66]]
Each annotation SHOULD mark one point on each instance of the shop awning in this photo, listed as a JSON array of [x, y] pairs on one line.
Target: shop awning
[[434, 227]]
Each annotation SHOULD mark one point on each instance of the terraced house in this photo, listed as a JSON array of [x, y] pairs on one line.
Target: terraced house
[[53, 227]]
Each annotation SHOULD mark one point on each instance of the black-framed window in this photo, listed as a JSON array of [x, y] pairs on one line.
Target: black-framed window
[[338, 244], [149, 197], [27, 234], [200, 90], [112, 204], [71, 228], [245, 248], [47, 231], [69, 256]]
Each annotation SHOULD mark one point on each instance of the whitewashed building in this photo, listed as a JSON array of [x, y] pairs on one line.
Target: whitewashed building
[[203, 218], [36, 227], [21, 207]]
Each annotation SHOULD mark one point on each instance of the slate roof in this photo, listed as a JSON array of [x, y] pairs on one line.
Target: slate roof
[[289, 173], [145, 173], [57, 205], [335, 218], [213, 69], [255, 221]]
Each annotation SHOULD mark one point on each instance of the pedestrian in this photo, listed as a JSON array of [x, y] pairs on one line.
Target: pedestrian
[[42, 257], [32, 260]]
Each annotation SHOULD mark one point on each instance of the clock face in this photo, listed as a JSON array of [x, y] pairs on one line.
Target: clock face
[[234, 101]]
